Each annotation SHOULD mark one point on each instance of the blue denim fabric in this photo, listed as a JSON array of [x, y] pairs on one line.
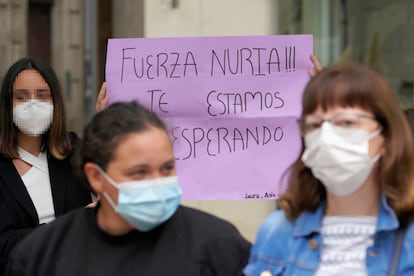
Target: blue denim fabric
[[286, 247]]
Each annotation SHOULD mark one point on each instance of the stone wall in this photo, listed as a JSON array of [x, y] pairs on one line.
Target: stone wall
[[13, 32]]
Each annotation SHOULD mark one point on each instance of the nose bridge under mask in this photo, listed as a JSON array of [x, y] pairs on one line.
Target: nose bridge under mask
[[321, 135], [31, 102], [325, 129]]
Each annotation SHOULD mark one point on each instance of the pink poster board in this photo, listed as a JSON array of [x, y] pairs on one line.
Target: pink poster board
[[231, 105]]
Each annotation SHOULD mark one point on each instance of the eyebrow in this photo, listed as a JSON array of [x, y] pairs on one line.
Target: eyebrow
[[172, 160], [27, 90], [133, 167]]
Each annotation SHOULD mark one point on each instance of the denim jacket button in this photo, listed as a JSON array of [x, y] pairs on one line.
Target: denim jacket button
[[313, 244], [266, 273], [372, 253]]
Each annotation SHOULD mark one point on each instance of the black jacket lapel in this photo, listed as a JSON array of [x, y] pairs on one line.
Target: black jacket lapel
[[58, 180], [11, 178]]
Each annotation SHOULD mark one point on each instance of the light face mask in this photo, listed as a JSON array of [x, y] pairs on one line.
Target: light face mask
[[33, 117], [145, 204], [339, 157]]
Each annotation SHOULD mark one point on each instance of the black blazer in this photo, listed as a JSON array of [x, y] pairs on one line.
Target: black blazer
[[18, 215]]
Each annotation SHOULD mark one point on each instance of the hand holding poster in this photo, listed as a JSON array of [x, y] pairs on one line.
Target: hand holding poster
[[231, 105]]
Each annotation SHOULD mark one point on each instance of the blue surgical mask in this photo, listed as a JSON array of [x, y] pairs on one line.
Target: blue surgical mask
[[145, 204]]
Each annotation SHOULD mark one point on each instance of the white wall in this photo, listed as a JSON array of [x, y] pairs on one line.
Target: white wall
[[212, 17]]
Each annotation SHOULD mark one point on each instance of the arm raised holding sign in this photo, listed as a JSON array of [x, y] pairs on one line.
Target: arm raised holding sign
[[102, 99], [317, 67]]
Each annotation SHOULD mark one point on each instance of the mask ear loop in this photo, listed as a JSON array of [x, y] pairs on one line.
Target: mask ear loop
[[371, 136], [375, 133], [112, 182]]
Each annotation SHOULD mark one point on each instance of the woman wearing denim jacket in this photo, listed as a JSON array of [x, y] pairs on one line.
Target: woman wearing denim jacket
[[351, 188]]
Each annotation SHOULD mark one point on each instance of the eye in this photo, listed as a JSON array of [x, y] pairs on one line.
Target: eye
[[21, 95], [44, 94], [346, 122], [308, 124], [168, 169], [140, 173], [312, 126]]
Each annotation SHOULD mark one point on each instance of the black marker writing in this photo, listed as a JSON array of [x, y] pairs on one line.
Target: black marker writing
[[221, 103], [216, 141], [158, 65], [245, 61], [157, 99]]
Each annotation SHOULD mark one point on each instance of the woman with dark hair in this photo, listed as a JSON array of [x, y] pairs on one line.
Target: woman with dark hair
[[349, 205], [37, 182], [138, 226]]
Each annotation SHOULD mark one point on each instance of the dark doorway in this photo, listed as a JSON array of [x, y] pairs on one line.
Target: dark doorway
[[104, 33], [38, 29]]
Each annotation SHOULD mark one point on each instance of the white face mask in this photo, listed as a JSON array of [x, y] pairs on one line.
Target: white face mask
[[33, 117], [339, 157]]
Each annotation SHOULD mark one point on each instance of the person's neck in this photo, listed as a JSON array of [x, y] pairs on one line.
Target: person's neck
[[363, 202], [111, 222], [31, 144]]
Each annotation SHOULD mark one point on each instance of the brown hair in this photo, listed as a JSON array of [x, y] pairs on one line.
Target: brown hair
[[56, 139], [356, 86]]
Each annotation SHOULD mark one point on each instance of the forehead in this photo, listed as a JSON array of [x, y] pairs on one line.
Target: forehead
[[29, 79], [150, 145], [336, 110]]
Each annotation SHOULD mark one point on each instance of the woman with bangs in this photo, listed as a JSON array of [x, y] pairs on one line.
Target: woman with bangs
[[348, 208], [37, 182]]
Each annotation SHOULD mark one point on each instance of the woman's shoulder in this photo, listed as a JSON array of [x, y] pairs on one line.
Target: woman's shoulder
[[271, 246], [48, 239], [214, 240], [4, 162], [276, 224], [409, 233], [58, 227], [53, 233]]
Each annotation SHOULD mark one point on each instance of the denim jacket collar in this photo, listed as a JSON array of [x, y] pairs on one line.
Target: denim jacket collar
[[309, 223]]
